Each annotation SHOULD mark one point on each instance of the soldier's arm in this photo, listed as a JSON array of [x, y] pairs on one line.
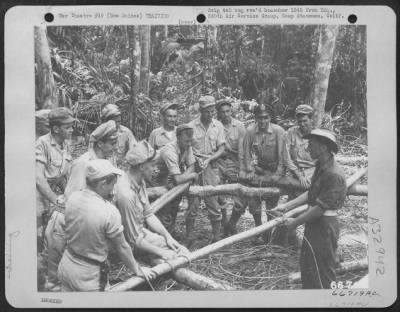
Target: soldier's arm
[[287, 158], [42, 185], [186, 176], [124, 252], [280, 145]]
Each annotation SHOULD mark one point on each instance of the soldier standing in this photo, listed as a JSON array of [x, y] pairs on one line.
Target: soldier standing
[[177, 166], [326, 196], [228, 163], [53, 161], [166, 133], [209, 144], [265, 141]]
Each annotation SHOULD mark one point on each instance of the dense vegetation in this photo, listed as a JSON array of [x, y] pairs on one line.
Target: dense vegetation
[[141, 67]]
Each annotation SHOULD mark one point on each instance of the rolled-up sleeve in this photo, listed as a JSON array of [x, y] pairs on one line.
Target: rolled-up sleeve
[[287, 158], [171, 160], [332, 192], [40, 152], [280, 136], [113, 225]]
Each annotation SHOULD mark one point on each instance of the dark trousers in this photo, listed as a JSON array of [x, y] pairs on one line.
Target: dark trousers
[[318, 253]]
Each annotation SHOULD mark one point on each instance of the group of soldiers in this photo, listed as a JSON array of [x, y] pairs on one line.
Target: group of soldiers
[[88, 208]]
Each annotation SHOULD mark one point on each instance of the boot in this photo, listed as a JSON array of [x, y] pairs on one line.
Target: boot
[[230, 228], [216, 231], [258, 240], [190, 235]]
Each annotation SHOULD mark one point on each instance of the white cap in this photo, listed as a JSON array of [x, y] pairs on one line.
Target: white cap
[[99, 168]]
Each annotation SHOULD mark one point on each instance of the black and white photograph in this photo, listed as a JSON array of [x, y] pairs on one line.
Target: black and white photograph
[[224, 110], [174, 158]]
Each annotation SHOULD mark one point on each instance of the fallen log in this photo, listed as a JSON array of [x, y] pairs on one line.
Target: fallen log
[[180, 261], [198, 281], [344, 267], [228, 189], [169, 196]]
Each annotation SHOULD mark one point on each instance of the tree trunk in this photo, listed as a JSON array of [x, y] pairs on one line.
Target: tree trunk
[[46, 91], [326, 47], [132, 64], [145, 38]]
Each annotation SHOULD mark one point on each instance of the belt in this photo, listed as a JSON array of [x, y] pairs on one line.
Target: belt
[[330, 213], [104, 267]]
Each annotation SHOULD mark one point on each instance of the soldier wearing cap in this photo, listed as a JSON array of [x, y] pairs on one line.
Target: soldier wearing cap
[[265, 141], [125, 135], [93, 224], [166, 133], [143, 230], [53, 160], [42, 122], [326, 196], [228, 163], [103, 143], [209, 144], [298, 160], [176, 166]]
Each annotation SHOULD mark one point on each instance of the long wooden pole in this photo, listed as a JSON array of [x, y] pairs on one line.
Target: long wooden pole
[[180, 261], [165, 196]]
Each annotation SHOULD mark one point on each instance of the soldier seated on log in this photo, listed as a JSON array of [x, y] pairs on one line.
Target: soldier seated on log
[[154, 241], [176, 166], [262, 162], [326, 196], [93, 225]]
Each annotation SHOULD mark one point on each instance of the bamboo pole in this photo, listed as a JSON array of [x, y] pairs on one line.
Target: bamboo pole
[[180, 261], [351, 266]]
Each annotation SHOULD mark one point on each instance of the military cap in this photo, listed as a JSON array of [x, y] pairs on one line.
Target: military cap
[[304, 109], [182, 128], [327, 135], [167, 106], [60, 115], [262, 110], [223, 102], [100, 168], [140, 153], [206, 101], [106, 131], [110, 111]]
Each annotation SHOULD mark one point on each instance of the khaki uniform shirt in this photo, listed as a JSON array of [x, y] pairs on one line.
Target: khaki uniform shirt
[[207, 141], [233, 133], [90, 222], [328, 186], [125, 140], [159, 137], [173, 161], [57, 162], [266, 147], [296, 154], [133, 204]]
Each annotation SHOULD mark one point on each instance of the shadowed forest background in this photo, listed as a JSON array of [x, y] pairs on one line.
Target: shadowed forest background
[[140, 67]]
